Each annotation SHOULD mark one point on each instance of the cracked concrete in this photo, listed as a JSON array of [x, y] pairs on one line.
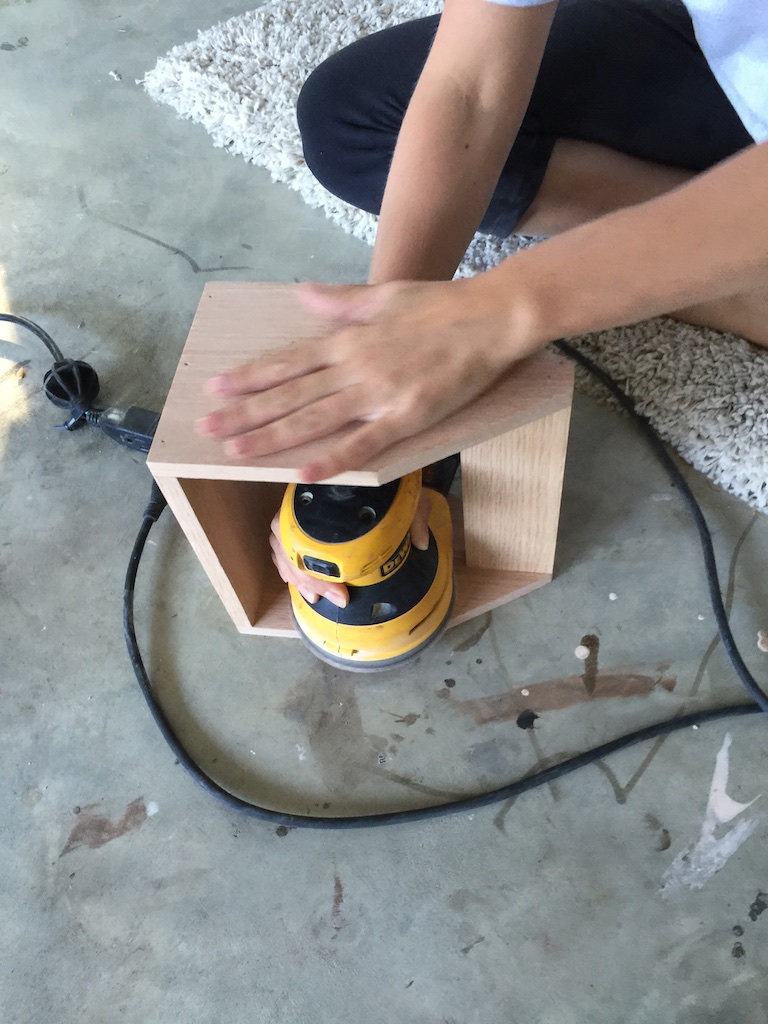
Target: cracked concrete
[[169, 906]]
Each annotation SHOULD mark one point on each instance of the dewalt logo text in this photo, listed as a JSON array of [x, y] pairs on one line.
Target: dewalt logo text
[[391, 564]]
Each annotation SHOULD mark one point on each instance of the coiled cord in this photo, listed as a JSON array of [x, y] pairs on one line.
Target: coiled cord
[[517, 788]]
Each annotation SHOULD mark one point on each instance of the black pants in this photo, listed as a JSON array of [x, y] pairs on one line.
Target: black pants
[[627, 74]]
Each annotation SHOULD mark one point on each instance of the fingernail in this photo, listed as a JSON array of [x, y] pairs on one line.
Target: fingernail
[[338, 599], [421, 544], [204, 425], [234, 447], [308, 595], [216, 385], [310, 476]]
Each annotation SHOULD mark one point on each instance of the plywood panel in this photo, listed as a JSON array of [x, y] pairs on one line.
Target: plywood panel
[[237, 321], [227, 524], [512, 487]]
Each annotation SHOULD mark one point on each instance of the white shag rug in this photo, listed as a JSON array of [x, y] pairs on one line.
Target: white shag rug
[[706, 393]]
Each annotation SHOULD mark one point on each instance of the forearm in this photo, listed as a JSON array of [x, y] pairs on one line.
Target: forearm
[[459, 127], [706, 240], [445, 169]]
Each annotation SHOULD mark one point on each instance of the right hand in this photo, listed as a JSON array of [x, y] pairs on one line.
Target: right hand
[[400, 358], [312, 588]]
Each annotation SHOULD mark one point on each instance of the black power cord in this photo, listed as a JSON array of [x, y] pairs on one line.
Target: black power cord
[[705, 537], [760, 700], [73, 385]]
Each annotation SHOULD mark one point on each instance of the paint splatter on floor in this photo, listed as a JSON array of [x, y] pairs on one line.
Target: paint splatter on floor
[[338, 896], [557, 694], [760, 904], [95, 830], [654, 825], [692, 868]]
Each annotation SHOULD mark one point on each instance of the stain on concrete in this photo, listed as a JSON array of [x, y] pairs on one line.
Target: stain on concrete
[[654, 825], [589, 675], [547, 943], [489, 762], [326, 706], [450, 683], [343, 922], [475, 637], [31, 797], [410, 719], [338, 896], [95, 830], [738, 931], [665, 841], [558, 694], [759, 906], [471, 946], [526, 719], [738, 951]]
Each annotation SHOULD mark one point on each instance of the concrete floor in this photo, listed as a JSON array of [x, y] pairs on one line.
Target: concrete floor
[[128, 893]]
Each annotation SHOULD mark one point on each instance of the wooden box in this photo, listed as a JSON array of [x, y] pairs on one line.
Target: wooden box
[[512, 442]]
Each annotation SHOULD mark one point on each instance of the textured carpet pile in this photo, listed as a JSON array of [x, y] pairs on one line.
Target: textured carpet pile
[[704, 392]]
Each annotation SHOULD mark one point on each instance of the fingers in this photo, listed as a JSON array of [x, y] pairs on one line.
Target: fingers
[[253, 411], [351, 304], [307, 585], [321, 419], [420, 524], [270, 370], [355, 450]]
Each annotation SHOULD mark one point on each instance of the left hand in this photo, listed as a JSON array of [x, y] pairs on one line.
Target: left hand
[[404, 356]]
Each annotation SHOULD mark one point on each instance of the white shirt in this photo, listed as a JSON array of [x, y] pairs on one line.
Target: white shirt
[[733, 36]]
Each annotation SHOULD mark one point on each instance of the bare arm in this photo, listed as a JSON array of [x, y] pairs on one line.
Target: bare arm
[[459, 127], [703, 241], [408, 354]]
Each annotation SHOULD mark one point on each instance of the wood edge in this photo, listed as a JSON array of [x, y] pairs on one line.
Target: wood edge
[[360, 478], [229, 471], [186, 517], [481, 605], [487, 605], [274, 631]]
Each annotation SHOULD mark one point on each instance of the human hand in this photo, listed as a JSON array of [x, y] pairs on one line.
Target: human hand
[[310, 586], [403, 356]]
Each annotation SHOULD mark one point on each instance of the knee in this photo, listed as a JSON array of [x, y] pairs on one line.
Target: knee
[[320, 111], [347, 131]]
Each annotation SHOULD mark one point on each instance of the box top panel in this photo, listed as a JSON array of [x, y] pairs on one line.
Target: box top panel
[[238, 321]]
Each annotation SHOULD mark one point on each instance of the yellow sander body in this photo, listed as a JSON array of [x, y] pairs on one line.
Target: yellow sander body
[[400, 598]]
